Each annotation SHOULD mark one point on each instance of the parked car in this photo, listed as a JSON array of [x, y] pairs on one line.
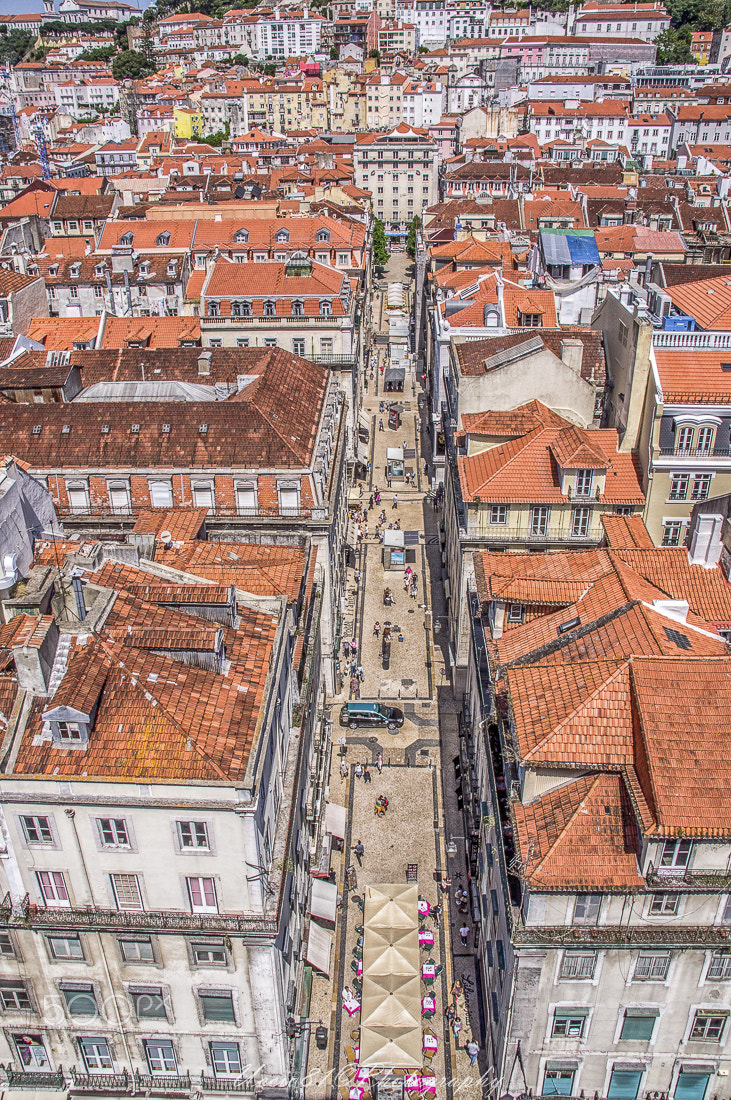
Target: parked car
[[371, 715]]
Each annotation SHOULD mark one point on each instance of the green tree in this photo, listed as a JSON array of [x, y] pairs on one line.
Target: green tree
[[411, 239], [239, 59], [101, 53], [673, 47], [423, 49], [334, 53], [380, 244], [377, 55], [131, 65], [14, 45], [217, 139], [270, 69]]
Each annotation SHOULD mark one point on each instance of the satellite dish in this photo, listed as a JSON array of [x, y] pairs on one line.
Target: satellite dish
[[166, 536]]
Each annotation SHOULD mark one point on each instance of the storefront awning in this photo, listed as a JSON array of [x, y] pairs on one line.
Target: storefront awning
[[319, 949], [324, 900], [335, 820]]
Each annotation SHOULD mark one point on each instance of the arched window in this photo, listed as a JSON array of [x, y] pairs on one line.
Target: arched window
[[236, 309], [298, 308], [270, 309], [127, 239], [246, 310], [214, 309], [163, 240], [326, 307]]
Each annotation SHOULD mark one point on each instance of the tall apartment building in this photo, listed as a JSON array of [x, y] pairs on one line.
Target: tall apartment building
[[597, 818], [400, 169]]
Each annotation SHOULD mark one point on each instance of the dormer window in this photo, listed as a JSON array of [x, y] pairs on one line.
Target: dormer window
[[282, 236], [145, 268], [323, 236], [491, 317], [127, 239], [163, 240], [270, 309], [214, 309], [53, 269], [241, 309], [172, 267], [99, 271], [33, 269], [75, 271], [298, 308], [584, 482], [241, 236], [529, 320], [326, 307]]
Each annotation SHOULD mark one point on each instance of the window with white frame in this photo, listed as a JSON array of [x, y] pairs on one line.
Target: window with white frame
[[161, 494], [701, 487], [203, 496], [652, 966], [118, 496], [31, 1050], [289, 500], [14, 996], [78, 496], [675, 855], [160, 1055], [202, 894], [580, 520], [584, 481], [639, 1023], [515, 613], [684, 441], [193, 834], [671, 532], [209, 953], [225, 1059], [664, 905], [679, 486], [569, 1023], [499, 513], [96, 1054], [127, 893], [247, 499], [578, 965], [539, 518], [137, 950], [37, 830], [586, 908], [709, 1025], [65, 947], [113, 832], [52, 886]]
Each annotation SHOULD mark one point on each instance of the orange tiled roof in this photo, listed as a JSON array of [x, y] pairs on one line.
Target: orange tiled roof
[[626, 532], [523, 470]]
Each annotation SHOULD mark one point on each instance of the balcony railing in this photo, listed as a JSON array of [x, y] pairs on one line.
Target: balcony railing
[[709, 340], [621, 935], [100, 1082], [260, 512], [695, 452], [34, 1079], [499, 534], [92, 919], [683, 878], [166, 1084]]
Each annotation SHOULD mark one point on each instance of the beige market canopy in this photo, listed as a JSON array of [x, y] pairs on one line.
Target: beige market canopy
[[390, 1034]]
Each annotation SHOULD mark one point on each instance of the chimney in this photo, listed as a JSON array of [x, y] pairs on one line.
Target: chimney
[[572, 354], [34, 651], [705, 545], [204, 363]]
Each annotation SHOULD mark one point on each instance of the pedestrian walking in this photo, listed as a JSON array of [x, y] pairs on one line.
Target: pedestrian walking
[[473, 1050], [456, 1028], [388, 481], [359, 850], [358, 770], [370, 501], [464, 933], [436, 912], [366, 774], [450, 1014], [395, 501], [343, 771], [376, 629], [379, 762], [380, 424], [353, 646], [356, 576], [354, 687]]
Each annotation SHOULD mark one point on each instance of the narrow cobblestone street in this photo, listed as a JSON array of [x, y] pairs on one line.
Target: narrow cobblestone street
[[419, 822]]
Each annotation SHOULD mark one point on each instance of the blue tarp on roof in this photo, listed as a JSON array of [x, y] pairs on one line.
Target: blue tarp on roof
[[583, 249], [569, 246]]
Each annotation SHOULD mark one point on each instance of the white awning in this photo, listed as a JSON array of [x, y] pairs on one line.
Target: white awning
[[393, 538], [324, 900], [335, 819], [395, 454], [364, 419], [319, 949]]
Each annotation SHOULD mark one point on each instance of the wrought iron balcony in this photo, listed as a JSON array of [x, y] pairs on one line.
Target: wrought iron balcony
[[595, 937], [162, 1082], [227, 1084], [253, 925], [165, 1084], [100, 1082], [34, 1079], [685, 878]]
